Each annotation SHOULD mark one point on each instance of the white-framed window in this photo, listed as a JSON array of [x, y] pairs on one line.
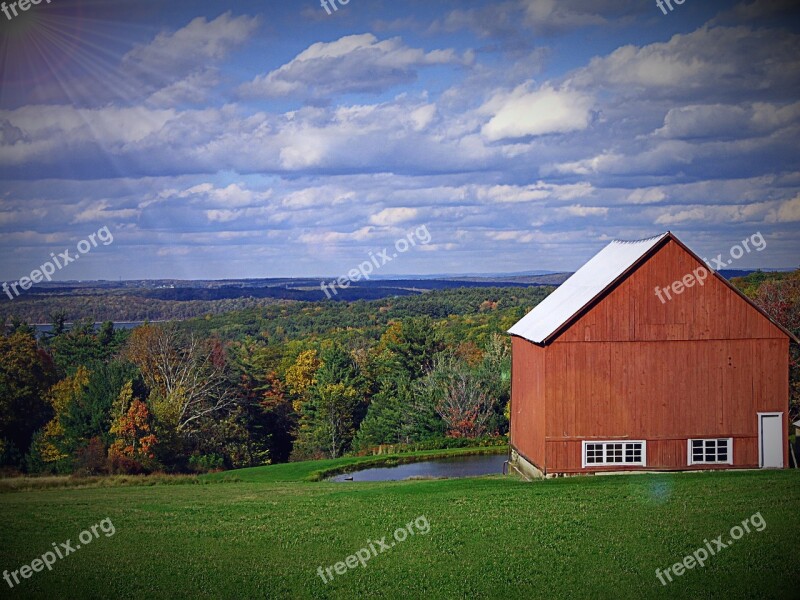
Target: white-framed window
[[620, 453], [713, 451]]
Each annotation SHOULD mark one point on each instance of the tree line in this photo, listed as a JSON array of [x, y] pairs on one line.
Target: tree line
[[288, 382]]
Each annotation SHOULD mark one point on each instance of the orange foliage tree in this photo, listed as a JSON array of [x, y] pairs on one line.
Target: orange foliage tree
[[134, 437]]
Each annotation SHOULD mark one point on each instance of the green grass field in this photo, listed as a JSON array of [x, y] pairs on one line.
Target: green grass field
[[264, 536]]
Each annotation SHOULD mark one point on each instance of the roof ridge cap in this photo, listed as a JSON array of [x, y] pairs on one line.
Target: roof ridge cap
[[648, 239]]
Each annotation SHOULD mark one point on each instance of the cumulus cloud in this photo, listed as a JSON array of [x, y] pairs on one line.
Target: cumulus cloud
[[715, 214], [787, 212], [352, 64], [723, 121], [394, 216], [561, 15], [229, 215], [532, 193], [337, 237], [192, 89], [192, 46], [647, 196], [102, 212], [232, 196], [525, 112], [711, 62], [577, 210], [315, 197], [518, 236], [45, 131], [545, 17], [404, 134]]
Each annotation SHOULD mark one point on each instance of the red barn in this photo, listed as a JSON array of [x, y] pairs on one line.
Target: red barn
[[645, 359]]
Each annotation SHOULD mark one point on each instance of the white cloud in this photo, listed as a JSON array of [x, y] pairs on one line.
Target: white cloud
[[314, 197], [192, 89], [101, 212], [11, 217], [231, 196], [727, 121], [47, 130], [707, 63], [715, 214], [192, 46], [521, 237], [508, 20], [229, 215], [652, 159], [647, 196], [534, 192], [562, 15], [524, 112], [788, 211], [577, 210], [337, 237], [352, 64], [394, 216]]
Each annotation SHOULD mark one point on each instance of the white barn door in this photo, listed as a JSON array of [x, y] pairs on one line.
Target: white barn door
[[770, 440]]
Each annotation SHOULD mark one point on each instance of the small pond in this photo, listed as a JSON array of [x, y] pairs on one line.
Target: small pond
[[462, 466]]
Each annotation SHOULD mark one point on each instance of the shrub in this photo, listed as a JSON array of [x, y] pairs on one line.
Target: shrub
[[203, 463], [91, 459], [124, 465]]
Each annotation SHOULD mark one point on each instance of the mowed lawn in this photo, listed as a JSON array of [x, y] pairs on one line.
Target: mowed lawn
[[493, 537]]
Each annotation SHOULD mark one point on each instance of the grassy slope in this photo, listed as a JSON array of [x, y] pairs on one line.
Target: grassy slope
[[490, 537]]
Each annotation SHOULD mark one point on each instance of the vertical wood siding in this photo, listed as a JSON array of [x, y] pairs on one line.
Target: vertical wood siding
[[700, 365], [528, 400]]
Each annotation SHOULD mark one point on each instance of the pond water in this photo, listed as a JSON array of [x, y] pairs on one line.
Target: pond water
[[462, 466]]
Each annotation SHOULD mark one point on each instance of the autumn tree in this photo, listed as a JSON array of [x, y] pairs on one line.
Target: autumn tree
[[26, 373], [780, 299], [89, 415], [187, 379], [411, 345], [267, 412], [335, 408], [493, 374], [459, 399], [52, 448], [300, 377], [132, 431]]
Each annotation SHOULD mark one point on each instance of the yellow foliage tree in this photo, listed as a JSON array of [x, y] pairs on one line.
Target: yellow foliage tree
[[300, 377], [60, 396]]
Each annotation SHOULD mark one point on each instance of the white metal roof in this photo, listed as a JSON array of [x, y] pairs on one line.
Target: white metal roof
[[580, 289]]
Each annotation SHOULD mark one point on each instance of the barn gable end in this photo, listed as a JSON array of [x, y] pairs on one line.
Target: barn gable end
[[633, 311], [620, 366]]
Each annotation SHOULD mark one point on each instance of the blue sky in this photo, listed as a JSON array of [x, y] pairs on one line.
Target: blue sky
[[264, 139]]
